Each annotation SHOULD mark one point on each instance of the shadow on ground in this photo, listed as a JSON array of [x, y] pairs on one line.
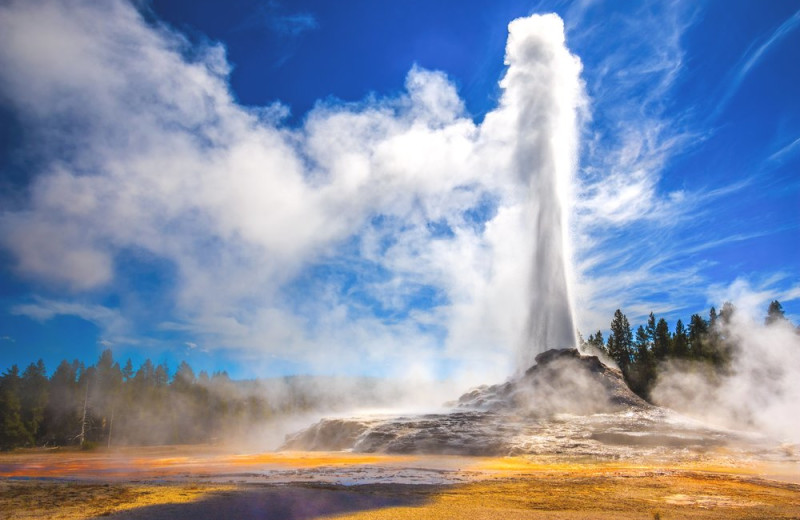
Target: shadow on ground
[[282, 503]]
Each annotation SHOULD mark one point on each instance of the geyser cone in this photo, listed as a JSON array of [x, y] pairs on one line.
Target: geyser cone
[[542, 92], [567, 403]]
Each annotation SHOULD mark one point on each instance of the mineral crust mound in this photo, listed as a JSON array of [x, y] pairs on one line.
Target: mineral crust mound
[[566, 403], [561, 381]]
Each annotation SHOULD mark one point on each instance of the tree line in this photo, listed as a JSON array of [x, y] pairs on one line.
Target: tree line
[[108, 404], [704, 341], [111, 404]]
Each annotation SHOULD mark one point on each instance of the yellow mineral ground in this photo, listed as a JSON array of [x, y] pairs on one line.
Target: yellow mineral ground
[[189, 482], [171, 461]]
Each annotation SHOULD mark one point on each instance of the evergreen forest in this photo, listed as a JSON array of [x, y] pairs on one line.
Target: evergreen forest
[[703, 344], [108, 404]]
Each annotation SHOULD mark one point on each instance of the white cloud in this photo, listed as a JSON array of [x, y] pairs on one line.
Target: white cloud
[[43, 310], [146, 150]]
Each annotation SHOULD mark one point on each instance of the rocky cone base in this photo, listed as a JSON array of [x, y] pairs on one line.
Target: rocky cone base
[[567, 403]]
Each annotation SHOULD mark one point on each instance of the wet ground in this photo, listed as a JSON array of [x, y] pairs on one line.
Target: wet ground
[[204, 482], [561, 442]]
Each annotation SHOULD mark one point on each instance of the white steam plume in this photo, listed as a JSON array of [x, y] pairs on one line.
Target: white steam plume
[[543, 91], [143, 156]]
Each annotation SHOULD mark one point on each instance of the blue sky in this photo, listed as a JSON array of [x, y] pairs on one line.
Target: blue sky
[[295, 187]]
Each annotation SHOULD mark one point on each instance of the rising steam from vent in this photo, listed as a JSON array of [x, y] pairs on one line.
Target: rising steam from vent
[[759, 390]]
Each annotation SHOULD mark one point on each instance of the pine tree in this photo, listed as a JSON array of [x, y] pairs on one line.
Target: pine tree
[[597, 341], [650, 329], [184, 377], [161, 375], [680, 341], [61, 417], [723, 346], [726, 313], [87, 383], [641, 345], [662, 340], [775, 313], [642, 371], [145, 376], [106, 394], [33, 397], [13, 432], [127, 371], [620, 340], [698, 336]]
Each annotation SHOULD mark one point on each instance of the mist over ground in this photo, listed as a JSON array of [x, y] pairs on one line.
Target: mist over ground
[[759, 391]]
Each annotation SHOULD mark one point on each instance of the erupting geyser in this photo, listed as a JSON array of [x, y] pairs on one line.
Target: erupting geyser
[[560, 401], [542, 93], [537, 122]]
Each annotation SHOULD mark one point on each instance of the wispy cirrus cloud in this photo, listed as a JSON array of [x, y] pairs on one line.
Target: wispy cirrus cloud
[[285, 28], [623, 214], [42, 309], [785, 152], [750, 60], [633, 131], [280, 20], [639, 239], [292, 24]]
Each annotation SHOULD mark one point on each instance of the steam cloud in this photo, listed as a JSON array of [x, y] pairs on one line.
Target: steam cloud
[[144, 160], [760, 392]]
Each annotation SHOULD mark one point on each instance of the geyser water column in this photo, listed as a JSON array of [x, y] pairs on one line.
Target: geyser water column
[[542, 94]]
